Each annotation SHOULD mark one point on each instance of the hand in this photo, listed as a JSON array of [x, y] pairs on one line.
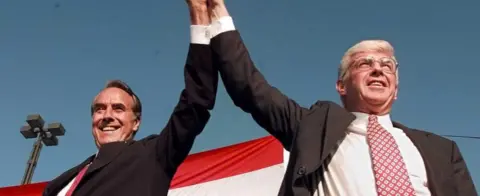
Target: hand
[[198, 12], [198, 5], [217, 9]]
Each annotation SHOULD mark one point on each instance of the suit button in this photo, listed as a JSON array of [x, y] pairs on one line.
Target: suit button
[[301, 170]]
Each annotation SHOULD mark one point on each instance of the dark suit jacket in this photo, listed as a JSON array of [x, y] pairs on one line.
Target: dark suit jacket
[[146, 167], [311, 134]]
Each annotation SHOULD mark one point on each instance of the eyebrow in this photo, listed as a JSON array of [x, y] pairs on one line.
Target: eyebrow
[[96, 105], [119, 105]]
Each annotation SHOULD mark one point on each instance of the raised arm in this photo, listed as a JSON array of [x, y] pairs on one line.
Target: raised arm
[[247, 87], [192, 111]]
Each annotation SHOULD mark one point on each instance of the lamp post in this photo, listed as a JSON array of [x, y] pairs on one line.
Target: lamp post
[[45, 135]]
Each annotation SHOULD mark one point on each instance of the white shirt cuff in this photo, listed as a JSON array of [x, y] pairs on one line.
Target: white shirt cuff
[[199, 34], [221, 25]]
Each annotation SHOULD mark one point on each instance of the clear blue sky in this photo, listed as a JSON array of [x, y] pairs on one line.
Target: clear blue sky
[[56, 55]]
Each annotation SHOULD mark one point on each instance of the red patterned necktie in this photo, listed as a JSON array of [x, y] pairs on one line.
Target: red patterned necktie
[[77, 180], [391, 176]]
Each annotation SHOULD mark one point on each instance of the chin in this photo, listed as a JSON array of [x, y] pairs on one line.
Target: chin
[[376, 100], [105, 141]]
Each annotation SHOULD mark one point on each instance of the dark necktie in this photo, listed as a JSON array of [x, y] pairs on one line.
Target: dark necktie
[[77, 180]]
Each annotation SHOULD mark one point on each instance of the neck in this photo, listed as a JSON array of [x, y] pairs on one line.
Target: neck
[[374, 110], [361, 120]]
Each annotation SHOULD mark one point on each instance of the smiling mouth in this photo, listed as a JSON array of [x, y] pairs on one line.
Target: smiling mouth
[[376, 83], [109, 128]]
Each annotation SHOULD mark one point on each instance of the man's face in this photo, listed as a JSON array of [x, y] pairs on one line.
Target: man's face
[[113, 119], [371, 85]]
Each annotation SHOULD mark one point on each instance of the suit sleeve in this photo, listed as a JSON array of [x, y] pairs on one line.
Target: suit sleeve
[[249, 90], [463, 180], [191, 114]]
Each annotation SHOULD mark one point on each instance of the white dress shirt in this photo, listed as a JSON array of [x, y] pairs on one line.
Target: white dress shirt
[[63, 192], [350, 172]]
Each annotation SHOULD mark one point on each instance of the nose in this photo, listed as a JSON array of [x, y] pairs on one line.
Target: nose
[[376, 65], [108, 115], [376, 69]]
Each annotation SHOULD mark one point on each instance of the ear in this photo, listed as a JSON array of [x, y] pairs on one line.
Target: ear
[[396, 92], [341, 88], [136, 124], [396, 85]]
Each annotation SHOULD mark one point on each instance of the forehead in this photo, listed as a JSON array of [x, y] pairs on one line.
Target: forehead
[[377, 54], [113, 95]]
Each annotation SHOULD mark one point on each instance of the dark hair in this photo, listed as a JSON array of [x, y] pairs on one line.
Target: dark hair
[[137, 105]]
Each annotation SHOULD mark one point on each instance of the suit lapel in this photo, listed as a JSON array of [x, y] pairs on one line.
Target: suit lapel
[[429, 155], [320, 133], [338, 120], [106, 154], [56, 185]]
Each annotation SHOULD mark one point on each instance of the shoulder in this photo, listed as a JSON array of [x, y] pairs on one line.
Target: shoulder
[[330, 109], [432, 138], [145, 141], [440, 143], [323, 105]]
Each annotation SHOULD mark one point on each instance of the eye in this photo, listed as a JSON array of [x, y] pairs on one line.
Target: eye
[[118, 107], [364, 63], [98, 108], [388, 64]]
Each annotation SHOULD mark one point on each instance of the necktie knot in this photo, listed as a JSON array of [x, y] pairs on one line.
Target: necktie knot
[[372, 119]]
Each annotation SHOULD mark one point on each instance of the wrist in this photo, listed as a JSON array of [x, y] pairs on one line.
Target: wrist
[[218, 12], [199, 15]]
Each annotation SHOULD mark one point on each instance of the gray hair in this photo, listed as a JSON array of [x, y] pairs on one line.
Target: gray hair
[[363, 46]]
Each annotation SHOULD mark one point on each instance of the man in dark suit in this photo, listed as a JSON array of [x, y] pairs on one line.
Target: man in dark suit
[[145, 167], [342, 151]]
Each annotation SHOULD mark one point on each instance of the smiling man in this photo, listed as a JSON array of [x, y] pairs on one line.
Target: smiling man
[[354, 150], [125, 167], [116, 114]]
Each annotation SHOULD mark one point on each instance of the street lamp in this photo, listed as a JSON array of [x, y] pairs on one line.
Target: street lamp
[[45, 135]]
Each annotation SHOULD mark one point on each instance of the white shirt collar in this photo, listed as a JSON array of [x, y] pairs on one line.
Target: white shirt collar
[[362, 120]]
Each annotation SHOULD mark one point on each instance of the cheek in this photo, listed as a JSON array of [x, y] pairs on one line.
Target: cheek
[[393, 81], [96, 119], [358, 80], [126, 119]]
